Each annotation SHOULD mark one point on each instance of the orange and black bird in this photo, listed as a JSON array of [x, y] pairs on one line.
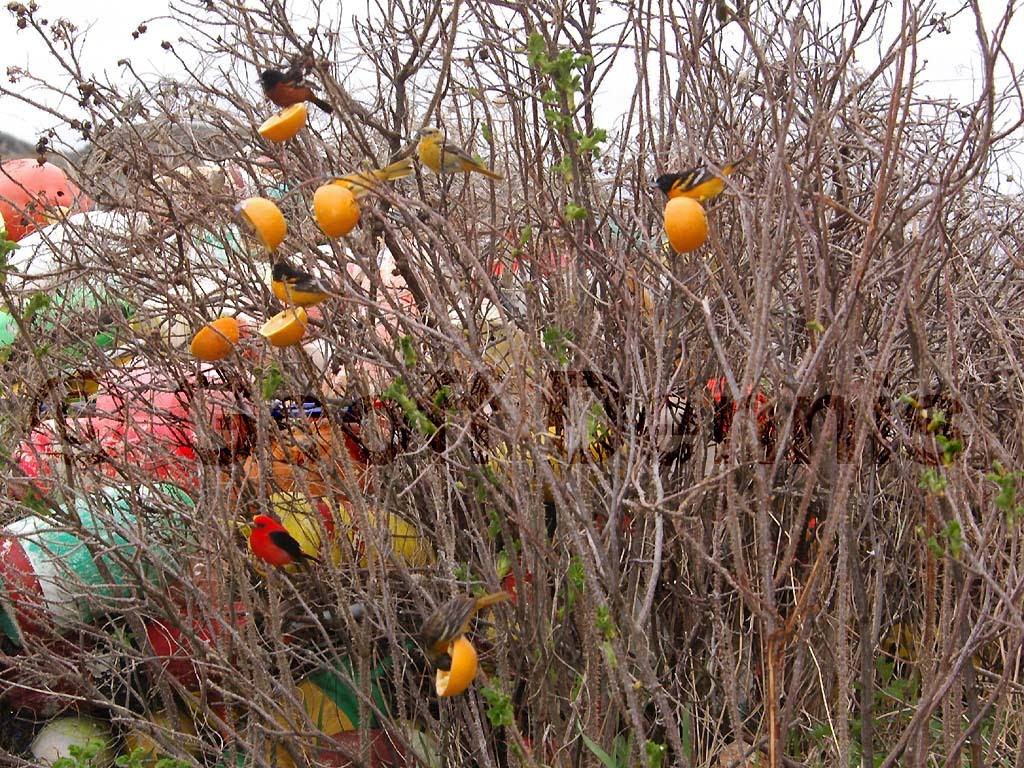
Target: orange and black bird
[[287, 88], [451, 620], [293, 286], [699, 182]]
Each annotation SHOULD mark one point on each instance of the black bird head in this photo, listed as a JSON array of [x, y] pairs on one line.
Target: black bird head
[[284, 271], [665, 182], [270, 78]]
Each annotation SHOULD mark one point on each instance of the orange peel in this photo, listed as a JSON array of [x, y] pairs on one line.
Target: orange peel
[[464, 666], [265, 219], [215, 340], [283, 125], [336, 209], [286, 327], [686, 224]]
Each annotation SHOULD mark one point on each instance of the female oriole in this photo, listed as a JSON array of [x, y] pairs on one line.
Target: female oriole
[[360, 183], [451, 620], [441, 156], [287, 88], [293, 286], [699, 182]]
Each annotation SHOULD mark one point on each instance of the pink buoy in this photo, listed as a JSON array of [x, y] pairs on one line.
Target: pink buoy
[[33, 193]]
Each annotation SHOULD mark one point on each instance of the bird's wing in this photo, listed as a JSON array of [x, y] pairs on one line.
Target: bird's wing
[[287, 542]]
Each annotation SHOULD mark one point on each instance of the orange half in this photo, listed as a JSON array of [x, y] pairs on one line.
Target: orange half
[[335, 209], [265, 219], [284, 124], [464, 665], [286, 328], [686, 224], [214, 341]]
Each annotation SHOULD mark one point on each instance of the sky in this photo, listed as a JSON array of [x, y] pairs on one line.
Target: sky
[[950, 62]]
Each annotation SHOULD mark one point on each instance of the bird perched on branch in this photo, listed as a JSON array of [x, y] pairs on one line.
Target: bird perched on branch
[[293, 286], [287, 88], [270, 541], [699, 182], [451, 620], [441, 156], [359, 183]]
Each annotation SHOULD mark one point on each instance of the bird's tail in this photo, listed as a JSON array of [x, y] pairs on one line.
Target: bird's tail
[[305, 559], [361, 182], [730, 167], [491, 599], [489, 173], [322, 104], [396, 170]]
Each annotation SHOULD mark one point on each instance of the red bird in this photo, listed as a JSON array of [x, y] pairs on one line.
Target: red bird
[[271, 542], [287, 88]]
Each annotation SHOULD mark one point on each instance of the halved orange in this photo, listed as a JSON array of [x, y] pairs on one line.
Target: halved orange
[[286, 328], [686, 224], [284, 124], [464, 665], [214, 341], [266, 220], [336, 209]]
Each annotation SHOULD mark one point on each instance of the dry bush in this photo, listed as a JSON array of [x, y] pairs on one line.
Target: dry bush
[[788, 532]]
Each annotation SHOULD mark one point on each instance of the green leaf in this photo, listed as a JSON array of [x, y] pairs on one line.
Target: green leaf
[[574, 212], [590, 143], [499, 706], [607, 760], [503, 564], [605, 622], [933, 481], [937, 421], [408, 350], [396, 391], [272, 381], [38, 302], [564, 167], [485, 130], [814, 325], [575, 574], [557, 341], [949, 448], [655, 753], [954, 536], [537, 49], [441, 397], [7, 247]]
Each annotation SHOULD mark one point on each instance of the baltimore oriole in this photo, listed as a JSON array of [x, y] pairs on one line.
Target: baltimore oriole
[[287, 88], [699, 182], [441, 156], [360, 183], [293, 286], [451, 620], [270, 541]]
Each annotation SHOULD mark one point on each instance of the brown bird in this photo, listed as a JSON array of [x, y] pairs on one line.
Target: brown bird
[[287, 88], [451, 620]]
